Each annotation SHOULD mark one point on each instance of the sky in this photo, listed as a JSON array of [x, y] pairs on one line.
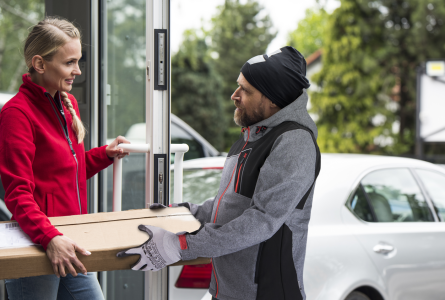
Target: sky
[[285, 14]]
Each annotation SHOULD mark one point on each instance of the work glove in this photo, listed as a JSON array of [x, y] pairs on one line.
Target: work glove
[[160, 250], [159, 205]]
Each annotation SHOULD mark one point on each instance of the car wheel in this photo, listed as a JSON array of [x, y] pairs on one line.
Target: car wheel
[[357, 296]]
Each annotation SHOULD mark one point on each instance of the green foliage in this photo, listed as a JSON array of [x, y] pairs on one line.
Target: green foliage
[[205, 70], [309, 35], [197, 89], [238, 33], [352, 104], [414, 33], [371, 51], [16, 16]]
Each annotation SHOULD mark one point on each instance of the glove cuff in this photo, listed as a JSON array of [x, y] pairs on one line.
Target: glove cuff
[[172, 247]]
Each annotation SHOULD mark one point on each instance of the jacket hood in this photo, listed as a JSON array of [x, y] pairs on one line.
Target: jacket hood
[[296, 112]]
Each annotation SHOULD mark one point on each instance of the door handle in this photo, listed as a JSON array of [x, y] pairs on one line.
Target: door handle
[[383, 248]]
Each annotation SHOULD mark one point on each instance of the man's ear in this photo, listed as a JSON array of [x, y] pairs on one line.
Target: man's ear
[[272, 105], [38, 64]]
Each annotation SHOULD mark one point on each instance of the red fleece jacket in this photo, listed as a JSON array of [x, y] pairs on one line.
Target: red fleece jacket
[[37, 168]]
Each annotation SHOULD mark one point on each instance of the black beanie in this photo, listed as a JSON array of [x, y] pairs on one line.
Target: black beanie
[[280, 75]]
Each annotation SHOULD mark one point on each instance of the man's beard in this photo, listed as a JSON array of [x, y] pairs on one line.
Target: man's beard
[[242, 119]]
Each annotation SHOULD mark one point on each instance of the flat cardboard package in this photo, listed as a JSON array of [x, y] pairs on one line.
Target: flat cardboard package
[[103, 234]]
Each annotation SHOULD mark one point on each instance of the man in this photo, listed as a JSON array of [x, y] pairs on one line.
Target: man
[[255, 229]]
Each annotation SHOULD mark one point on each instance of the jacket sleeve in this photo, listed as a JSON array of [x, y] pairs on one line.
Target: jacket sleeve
[[202, 212], [17, 151], [96, 159], [285, 177]]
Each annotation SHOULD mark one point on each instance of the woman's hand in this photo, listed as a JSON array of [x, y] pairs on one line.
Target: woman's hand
[[61, 252], [113, 151]]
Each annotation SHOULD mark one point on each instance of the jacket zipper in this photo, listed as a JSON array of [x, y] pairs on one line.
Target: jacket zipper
[[70, 144], [219, 201], [239, 171]]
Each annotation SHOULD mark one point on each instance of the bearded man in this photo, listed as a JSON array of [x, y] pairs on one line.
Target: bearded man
[[255, 229]]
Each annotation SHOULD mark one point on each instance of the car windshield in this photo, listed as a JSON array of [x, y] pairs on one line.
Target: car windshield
[[198, 184]]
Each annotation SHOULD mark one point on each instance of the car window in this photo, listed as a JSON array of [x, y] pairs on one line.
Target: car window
[[5, 215], [198, 185], [360, 206], [434, 183], [395, 196], [180, 136]]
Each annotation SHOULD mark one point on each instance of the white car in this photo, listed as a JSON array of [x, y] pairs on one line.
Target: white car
[[377, 229]]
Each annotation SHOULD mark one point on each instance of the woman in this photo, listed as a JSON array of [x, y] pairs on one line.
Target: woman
[[43, 163]]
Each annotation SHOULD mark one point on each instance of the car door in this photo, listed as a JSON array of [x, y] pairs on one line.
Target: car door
[[401, 241]]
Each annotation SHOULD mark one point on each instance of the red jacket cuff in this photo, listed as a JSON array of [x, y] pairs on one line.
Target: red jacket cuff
[[183, 242], [48, 237], [105, 156]]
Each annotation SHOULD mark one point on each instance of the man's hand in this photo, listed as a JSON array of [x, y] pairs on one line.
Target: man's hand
[[61, 252], [159, 205], [113, 151], [160, 250]]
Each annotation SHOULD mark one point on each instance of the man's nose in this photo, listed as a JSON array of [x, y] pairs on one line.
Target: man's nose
[[235, 95]]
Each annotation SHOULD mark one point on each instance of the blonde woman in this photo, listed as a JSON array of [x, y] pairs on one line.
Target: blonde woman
[[43, 163]]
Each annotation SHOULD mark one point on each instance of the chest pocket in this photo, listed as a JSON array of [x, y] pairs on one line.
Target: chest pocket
[[240, 168]]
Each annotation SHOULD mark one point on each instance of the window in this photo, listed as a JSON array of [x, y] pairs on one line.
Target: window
[[395, 196], [123, 68], [434, 183], [180, 136], [198, 184], [360, 206]]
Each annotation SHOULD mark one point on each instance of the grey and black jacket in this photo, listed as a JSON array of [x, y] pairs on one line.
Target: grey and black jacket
[[255, 229]]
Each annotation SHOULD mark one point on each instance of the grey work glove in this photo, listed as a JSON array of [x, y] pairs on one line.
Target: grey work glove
[[160, 250], [159, 205]]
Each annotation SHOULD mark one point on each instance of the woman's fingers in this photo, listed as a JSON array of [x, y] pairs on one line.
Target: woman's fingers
[[56, 270], [71, 269], [122, 140], [81, 250], [61, 268], [80, 266], [123, 155]]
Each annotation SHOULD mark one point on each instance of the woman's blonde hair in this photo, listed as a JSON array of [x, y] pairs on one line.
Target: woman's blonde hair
[[45, 39]]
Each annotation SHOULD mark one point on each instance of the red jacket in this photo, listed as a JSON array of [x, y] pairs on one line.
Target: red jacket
[[37, 167]]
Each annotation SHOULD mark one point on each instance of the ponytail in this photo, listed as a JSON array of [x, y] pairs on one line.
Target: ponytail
[[78, 127]]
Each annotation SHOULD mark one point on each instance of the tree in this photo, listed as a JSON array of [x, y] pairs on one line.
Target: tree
[[197, 89], [414, 33], [238, 33], [355, 113], [372, 48], [16, 16], [309, 34]]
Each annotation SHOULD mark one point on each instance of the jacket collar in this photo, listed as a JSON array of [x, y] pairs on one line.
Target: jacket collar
[[34, 91]]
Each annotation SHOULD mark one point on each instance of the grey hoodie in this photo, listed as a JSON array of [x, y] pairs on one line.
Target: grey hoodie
[[255, 229]]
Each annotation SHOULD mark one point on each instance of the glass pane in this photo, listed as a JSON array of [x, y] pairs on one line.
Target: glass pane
[[395, 196], [435, 185], [180, 136], [198, 185], [16, 16], [359, 205], [124, 82]]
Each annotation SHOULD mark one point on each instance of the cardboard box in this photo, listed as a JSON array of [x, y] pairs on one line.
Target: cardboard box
[[103, 234]]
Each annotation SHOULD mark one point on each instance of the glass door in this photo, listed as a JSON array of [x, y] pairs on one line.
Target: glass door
[[122, 80]]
